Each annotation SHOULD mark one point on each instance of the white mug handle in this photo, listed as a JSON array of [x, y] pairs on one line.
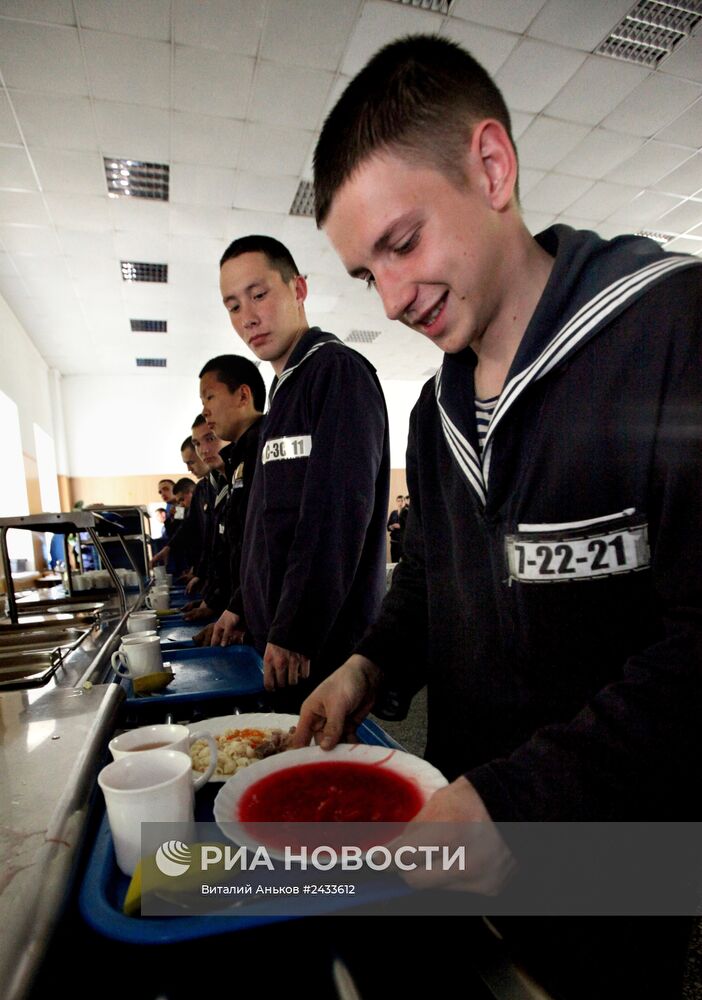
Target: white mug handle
[[148, 603], [119, 663], [203, 778]]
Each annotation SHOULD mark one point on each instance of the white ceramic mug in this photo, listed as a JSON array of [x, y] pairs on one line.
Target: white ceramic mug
[[159, 599], [138, 656], [142, 621], [145, 788], [163, 736], [160, 572]]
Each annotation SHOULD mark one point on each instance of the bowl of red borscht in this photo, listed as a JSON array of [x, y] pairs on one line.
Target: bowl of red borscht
[[353, 783]]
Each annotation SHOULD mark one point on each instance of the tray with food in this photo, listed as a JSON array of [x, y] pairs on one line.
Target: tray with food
[[204, 673], [110, 901]]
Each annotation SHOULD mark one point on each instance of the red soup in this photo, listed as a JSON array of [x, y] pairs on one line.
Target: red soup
[[334, 792]]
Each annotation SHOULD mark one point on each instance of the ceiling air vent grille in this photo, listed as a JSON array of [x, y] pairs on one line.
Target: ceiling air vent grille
[[133, 270], [149, 325], [151, 362], [134, 179], [661, 238], [303, 202], [651, 30], [436, 6], [362, 336]]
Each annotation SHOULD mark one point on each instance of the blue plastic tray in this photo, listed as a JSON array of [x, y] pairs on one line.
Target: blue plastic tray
[[179, 634], [104, 887], [204, 673]]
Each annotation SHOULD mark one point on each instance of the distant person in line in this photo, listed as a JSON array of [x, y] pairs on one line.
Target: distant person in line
[[550, 587], [404, 514], [208, 447], [313, 557], [188, 540], [233, 396], [394, 529]]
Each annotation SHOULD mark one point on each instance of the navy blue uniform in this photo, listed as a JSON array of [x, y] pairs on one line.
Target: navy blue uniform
[[550, 590], [313, 560]]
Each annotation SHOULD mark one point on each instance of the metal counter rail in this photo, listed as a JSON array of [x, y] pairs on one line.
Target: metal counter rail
[[61, 524]]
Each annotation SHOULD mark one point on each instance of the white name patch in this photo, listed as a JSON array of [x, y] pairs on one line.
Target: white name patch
[[278, 449], [542, 558]]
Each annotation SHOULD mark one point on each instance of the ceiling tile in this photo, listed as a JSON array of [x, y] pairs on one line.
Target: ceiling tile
[[499, 13], [547, 68], [649, 163], [274, 150], [38, 240], [55, 122], [489, 46], [289, 95], [192, 184], [275, 194], [195, 248], [547, 141], [555, 193], [581, 24], [299, 34], [685, 130], [520, 123], [131, 17], [211, 83], [79, 211], [686, 216], [128, 69], [685, 180], [602, 200], [36, 57], [596, 89], [598, 153], [15, 170], [380, 23], [528, 179], [7, 266], [133, 132], [52, 11], [139, 215], [70, 172], [227, 25], [8, 126], [683, 244], [26, 208], [87, 245], [197, 221], [654, 104], [642, 212], [135, 245], [686, 61], [199, 139]]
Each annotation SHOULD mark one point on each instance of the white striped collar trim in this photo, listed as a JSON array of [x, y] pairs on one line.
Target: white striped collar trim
[[579, 326], [288, 371], [462, 450]]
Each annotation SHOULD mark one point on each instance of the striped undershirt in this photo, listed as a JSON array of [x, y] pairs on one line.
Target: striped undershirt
[[484, 409]]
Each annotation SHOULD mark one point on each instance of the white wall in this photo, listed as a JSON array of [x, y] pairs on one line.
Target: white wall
[[24, 377], [133, 425]]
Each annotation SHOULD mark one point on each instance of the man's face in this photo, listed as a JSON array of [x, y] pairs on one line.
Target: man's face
[[193, 462], [223, 410], [208, 446], [165, 491], [183, 499], [430, 248], [266, 311], [399, 501]]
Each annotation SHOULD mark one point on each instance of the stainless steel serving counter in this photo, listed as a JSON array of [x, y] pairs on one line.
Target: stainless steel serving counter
[[51, 741]]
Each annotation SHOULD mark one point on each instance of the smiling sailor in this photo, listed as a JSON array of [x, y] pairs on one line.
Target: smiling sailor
[[550, 590]]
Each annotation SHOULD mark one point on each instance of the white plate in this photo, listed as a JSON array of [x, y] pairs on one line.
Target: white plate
[[252, 720], [226, 805]]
